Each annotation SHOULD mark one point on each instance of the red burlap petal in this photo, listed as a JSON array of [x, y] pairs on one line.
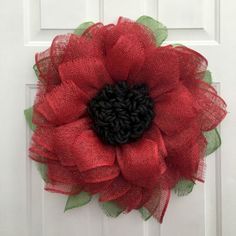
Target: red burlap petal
[[131, 200], [100, 174], [158, 203], [89, 152], [64, 138], [175, 110], [116, 189], [160, 71], [89, 74], [65, 103], [60, 174], [212, 108], [140, 162], [125, 58]]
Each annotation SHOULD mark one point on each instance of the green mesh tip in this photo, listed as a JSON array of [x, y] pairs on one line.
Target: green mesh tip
[[146, 215], [81, 28], [28, 116], [42, 168], [79, 200], [213, 141], [36, 71], [159, 30], [207, 77], [111, 209], [184, 187]]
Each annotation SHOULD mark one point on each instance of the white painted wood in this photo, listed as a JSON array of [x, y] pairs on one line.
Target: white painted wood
[[28, 26], [182, 13], [66, 14]]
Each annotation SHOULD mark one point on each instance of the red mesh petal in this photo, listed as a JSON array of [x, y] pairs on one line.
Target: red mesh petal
[[157, 204], [212, 108], [89, 152], [124, 28], [60, 174], [155, 134], [131, 200], [63, 104], [42, 149], [79, 47], [160, 71], [89, 74], [63, 188], [100, 174], [48, 74], [186, 136], [188, 158], [97, 33], [170, 177], [95, 188], [64, 138], [191, 63], [58, 49], [174, 110], [116, 189], [125, 58], [140, 162]]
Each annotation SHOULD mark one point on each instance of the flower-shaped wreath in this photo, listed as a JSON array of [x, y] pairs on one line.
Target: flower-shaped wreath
[[119, 116]]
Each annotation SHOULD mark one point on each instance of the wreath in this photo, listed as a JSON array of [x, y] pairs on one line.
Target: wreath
[[119, 116]]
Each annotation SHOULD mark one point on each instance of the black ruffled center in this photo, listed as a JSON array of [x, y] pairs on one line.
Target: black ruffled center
[[121, 112]]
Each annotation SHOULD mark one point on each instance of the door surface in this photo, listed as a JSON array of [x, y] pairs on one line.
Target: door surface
[[28, 26]]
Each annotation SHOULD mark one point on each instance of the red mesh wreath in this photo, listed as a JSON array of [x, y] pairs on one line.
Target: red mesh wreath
[[94, 133]]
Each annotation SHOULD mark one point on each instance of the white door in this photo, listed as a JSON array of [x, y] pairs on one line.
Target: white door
[[27, 26]]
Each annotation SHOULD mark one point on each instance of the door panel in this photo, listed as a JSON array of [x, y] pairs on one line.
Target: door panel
[[29, 26]]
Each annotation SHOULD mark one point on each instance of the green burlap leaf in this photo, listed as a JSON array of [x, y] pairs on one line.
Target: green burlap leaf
[[207, 77], [213, 141], [184, 187], [28, 116], [159, 30], [145, 213], [111, 209], [77, 200], [81, 28]]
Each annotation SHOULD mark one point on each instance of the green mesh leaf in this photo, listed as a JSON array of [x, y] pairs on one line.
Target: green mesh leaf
[[28, 116], [36, 70], [159, 30], [77, 200], [42, 168], [145, 213], [213, 141], [111, 209], [207, 77], [81, 28], [184, 187]]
